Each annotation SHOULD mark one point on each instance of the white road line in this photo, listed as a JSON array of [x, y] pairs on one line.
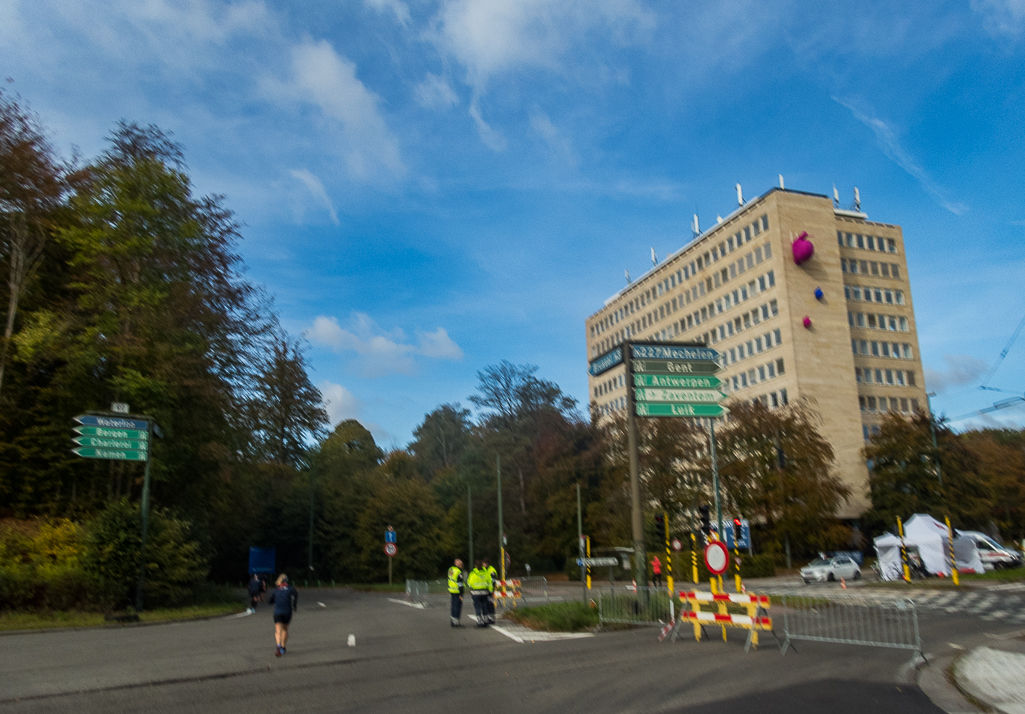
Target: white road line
[[241, 614], [321, 604], [508, 634], [417, 605]]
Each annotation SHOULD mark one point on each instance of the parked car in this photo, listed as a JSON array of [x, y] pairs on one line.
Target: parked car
[[993, 555], [830, 569]]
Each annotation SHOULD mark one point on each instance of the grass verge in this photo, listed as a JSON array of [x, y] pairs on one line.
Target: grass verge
[[556, 617], [74, 618]]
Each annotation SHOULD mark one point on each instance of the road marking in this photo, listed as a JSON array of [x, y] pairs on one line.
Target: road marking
[[321, 604], [241, 614], [955, 646], [508, 634], [417, 605]]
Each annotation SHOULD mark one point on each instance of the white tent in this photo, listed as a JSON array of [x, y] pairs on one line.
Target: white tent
[[929, 538]]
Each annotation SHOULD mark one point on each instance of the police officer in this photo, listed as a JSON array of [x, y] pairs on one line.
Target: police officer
[[477, 581], [456, 580], [492, 579]]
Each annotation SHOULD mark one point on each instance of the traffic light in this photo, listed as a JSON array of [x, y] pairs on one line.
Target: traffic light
[[706, 519], [737, 530], [660, 527]]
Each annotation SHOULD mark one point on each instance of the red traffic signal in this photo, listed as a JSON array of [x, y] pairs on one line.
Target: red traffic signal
[[737, 530]]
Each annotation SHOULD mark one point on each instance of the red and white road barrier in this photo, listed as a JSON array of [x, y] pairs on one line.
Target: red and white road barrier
[[738, 598], [715, 618]]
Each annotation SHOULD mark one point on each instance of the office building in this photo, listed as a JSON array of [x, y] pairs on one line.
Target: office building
[[802, 299]]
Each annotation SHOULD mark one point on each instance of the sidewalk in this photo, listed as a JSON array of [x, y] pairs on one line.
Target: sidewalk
[[995, 674]]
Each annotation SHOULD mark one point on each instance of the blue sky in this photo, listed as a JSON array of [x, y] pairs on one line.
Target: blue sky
[[431, 186]]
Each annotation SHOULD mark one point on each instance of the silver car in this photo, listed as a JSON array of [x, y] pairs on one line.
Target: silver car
[[830, 569]]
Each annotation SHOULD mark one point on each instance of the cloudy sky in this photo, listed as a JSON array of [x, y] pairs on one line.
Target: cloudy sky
[[431, 186]]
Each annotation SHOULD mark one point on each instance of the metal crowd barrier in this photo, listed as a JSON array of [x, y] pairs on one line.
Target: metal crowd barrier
[[534, 590], [627, 606], [850, 621], [418, 592]]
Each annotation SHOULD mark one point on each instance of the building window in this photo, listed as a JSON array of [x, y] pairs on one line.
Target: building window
[[874, 267], [864, 347], [911, 379], [900, 378], [868, 376], [857, 375], [772, 279], [871, 404], [884, 269], [843, 265], [861, 241], [776, 335], [783, 393], [779, 368], [854, 346], [771, 366], [861, 319], [891, 244]]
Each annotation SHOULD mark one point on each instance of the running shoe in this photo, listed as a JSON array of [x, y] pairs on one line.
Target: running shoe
[[278, 650]]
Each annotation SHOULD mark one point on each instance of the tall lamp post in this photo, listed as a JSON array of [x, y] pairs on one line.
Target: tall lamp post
[[932, 430]]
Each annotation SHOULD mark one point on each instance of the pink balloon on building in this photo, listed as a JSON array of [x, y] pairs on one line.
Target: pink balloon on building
[[802, 248]]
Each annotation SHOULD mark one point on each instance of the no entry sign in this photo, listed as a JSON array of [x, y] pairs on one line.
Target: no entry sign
[[677, 545], [717, 558], [390, 549]]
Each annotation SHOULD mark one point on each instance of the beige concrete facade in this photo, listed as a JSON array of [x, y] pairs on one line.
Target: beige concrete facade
[[737, 289]]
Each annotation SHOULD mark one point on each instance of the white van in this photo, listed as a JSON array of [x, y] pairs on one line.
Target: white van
[[993, 555]]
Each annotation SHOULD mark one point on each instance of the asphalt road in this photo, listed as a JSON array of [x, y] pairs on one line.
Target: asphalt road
[[409, 660]]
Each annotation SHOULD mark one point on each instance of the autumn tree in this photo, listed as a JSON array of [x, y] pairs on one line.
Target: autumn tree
[[776, 469]]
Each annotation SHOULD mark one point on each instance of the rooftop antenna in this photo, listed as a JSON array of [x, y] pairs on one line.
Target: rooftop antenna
[[694, 226], [781, 182], [654, 258], [740, 196], [836, 197], [628, 280], [857, 200]]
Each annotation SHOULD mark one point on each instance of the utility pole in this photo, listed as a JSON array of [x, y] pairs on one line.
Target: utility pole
[[932, 429], [636, 516], [144, 511], [580, 541], [469, 518], [309, 552], [715, 478], [501, 528]]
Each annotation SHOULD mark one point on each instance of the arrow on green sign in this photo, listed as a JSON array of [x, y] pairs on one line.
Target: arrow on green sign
[[107, 433], [113, 454], [680, 410], [670, 366], [690, 396], [112, 443], [676, 380]]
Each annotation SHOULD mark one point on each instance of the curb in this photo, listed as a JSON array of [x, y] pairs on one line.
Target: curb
[[934, 681]]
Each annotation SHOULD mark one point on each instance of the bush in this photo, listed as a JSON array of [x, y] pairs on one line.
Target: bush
[[557, 617], [174, 564]]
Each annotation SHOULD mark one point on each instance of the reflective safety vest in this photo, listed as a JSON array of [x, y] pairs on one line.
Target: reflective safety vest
[[477, 581], [492, 577], [455, 580]]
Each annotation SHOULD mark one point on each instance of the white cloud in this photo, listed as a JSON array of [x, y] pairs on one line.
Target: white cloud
[[1002, 17], [322, 77], [398, 8], [543, 126], [341, 404], [439, 345], [493, 36], [961, 370], [316, 187], [891, 145], [380, 353], [435, 93], [489, 135]]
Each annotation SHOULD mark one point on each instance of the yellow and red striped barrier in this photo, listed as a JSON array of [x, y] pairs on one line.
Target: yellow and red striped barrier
[[753, 621]]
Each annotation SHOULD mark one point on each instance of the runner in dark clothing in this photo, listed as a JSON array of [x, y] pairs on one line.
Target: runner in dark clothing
[[285, 600], [255, 588]]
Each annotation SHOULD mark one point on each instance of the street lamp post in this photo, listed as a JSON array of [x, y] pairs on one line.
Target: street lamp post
[[932, 430]]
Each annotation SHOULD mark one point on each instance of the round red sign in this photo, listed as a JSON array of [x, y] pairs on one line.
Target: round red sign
[[677, 545], [390, 549], [717, 558]]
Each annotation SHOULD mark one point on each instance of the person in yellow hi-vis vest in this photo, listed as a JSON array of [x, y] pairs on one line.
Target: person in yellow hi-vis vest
[[477, 581], [492, 579], [456, 580]]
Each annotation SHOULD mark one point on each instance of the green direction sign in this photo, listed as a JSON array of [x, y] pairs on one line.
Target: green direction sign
[[689, 396], [676, 380], [106, 433], [683, 410], [114, 454], [112, 443], [673, 366]]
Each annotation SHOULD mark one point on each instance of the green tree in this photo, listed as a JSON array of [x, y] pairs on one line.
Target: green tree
[[776, 469], [904, 480]]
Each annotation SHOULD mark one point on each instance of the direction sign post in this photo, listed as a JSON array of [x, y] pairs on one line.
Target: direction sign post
[[664, 380], [120, 438]]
